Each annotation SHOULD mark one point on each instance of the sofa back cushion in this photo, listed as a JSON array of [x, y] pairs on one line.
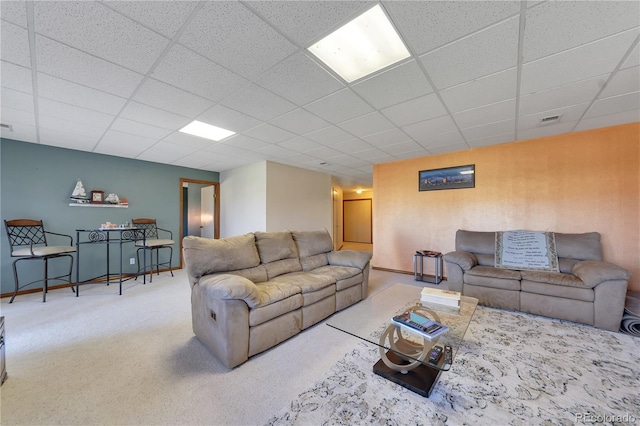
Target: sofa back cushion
[[573, 248], [204, 256], [476, 242], [278, 252], [313, 247]]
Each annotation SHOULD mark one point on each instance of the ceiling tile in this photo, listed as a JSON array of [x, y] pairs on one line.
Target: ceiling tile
[[14, 44], [14, 12], [339, 106], [624, 81], [85, 97], [421, 152], [20, 132], [268, 133], [401, 147], [196, 74], [388, 137], [560, 25], [485, 52], [300, 122], [350, 162], [486, 90], [557, 97], [18, 117], [435, 126], [74, 113], [244, 142], [499, 111], [427, 25], [184, 139], [375, 155], [541, 132], [569, 114], [165, 17], [258, 102], [227, 149], [73, 65], [366, 125], [164, 152], [395, 85], [18, 100], [300, 80], [67, 140], [307, 21], [98, 30], [276, 151], [93, 133], [583, 62], [147, 114], [139, 129], [324, 153], [16, 77], [492, 140], [197, 160], [329, 135], [352, 146], [634, 58], [415, 110], [448, 148], [608, 120], [492, 129], [229, 119], [123, 144], [614, 105], [300, 144], [442, 139], [256, 46], [161, 95]]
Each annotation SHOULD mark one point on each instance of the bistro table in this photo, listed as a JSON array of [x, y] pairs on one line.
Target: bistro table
[[107, 237]]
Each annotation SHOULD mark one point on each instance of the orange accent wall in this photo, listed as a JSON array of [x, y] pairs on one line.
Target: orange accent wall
[[577, 182]]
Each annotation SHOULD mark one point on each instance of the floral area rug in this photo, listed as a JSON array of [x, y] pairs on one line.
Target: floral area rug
[[512, 369]]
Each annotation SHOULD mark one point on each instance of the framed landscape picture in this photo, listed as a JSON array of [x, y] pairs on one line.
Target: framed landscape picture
[[447, 178]]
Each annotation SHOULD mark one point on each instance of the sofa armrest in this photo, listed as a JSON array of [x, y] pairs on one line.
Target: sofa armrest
[[594, 272], [229, 287], [353, 258], [463, 259]]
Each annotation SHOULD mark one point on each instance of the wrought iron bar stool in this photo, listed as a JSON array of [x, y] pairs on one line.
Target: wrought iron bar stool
[[153, 243], [28, 241]]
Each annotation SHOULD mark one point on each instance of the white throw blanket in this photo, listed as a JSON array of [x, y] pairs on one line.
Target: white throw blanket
[[526, 250]]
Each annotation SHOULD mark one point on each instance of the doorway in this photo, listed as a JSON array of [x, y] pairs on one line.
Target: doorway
[[358, 221], [199, 209]]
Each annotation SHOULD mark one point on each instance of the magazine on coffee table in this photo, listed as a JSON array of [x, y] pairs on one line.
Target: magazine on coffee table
[[418, 324]]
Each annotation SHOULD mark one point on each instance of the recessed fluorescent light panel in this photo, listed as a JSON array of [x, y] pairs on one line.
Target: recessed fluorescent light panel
[[207, 131], [361, 47]]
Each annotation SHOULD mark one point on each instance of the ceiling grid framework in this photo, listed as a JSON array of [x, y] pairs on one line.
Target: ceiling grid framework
[[122, 77]]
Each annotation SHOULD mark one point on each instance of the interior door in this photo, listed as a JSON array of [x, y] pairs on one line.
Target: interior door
[[357, 221], [207, 211]]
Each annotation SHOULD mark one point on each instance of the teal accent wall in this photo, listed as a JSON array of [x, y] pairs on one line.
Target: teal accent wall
[[36, 182]]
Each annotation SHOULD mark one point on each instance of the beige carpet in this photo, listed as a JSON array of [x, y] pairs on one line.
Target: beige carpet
[[132, 359]]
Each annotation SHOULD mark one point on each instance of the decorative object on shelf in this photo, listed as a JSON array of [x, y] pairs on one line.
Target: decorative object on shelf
[[97, 196], [447, 178], [79, 194], [123, 202], [112, 199]]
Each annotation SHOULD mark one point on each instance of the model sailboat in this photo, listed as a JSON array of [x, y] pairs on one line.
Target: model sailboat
[[79, 193]]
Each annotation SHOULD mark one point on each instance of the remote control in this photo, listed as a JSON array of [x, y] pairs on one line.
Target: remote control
[[435, 354], [447, 354]]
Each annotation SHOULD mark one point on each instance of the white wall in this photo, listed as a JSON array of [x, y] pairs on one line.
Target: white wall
[[268, 196], [243, 195], [298, 199]]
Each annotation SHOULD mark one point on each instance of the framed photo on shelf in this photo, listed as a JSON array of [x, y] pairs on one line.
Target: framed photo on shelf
[[97, 197], [447, 178]]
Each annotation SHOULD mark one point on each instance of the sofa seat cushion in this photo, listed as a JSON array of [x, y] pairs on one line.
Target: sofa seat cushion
[[583, 293], [304, 281], [268, 312], [488, 276], [256, 274], [272, 291], [337, 273], [557, 278]]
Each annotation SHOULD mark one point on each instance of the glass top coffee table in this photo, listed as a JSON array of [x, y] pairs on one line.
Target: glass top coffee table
[[404, 354]]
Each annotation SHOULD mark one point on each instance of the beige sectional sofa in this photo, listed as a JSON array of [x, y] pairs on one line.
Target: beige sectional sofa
[[586, 289], [253, 291]]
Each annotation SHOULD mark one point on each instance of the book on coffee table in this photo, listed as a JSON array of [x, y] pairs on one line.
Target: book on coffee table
[[418, 324], [441, 297]]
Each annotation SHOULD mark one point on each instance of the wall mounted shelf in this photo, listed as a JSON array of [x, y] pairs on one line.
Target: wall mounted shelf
[[117, 206]]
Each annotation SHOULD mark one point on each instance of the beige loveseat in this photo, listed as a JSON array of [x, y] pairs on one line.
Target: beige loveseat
[[585, 290], [253, 291]]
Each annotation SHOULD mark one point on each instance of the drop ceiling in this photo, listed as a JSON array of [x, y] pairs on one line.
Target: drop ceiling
[[122, 77]]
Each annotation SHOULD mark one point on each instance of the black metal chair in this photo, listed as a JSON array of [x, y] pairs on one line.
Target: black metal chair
[[153, 243], [28, 241]]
